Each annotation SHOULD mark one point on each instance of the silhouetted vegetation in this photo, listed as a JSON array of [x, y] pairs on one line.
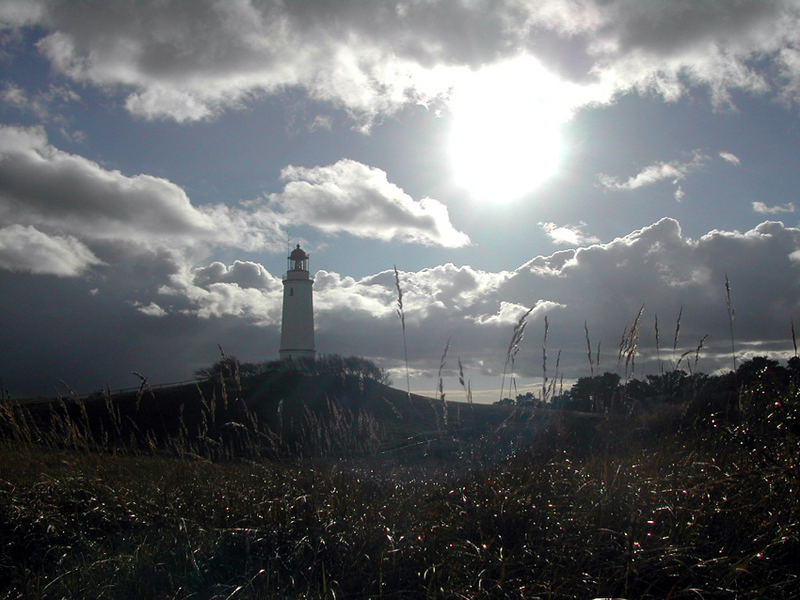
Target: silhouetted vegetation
[[674, 486], [326, 364]]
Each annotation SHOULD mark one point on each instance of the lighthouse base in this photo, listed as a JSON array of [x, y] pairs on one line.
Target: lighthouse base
[[290, 354]]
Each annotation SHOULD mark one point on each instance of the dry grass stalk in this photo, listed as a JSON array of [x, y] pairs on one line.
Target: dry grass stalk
[[544, 359], [676, 336], [513, 348], [680, 358], [629, 344], [589, 348], [401, 313], [658, 347], [697, 352], [468, 386], [442, 365], [597, 358], [144, 386], [552, 390], [731, 315], [622, 343]]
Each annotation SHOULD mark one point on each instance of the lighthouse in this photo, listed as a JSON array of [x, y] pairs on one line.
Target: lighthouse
[[297, 324]]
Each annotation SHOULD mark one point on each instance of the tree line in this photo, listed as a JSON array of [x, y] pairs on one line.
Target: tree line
[[607, 393]]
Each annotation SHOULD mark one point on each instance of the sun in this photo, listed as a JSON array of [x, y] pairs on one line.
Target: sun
[[506, 137]]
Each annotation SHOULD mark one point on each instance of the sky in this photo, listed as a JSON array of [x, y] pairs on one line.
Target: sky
[[596, 167]]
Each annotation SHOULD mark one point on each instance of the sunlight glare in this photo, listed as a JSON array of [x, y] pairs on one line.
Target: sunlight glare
[[506, 132]]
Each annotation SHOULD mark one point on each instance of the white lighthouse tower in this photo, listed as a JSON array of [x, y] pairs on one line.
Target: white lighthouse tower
[[297, 325]]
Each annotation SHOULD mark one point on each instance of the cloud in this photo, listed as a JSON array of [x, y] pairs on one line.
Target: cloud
[[16, 13], [244, 290], [604, 284], [56, 191], [763, 209], [151, 310], [510, 313], [351, 197], [45, 186], [13, 95], [567, 234], [731, 158], [169, 316], [245, 274], [191, 61], [62, 194], [45, 104], [674, 171], [29, 250]]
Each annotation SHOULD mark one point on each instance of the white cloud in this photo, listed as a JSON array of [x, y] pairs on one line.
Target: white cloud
[[763, 209], [510, 313], [351, 197], [731, 158], [189, 61], [245, 274], [567, 234], [242, 290], [673, 171], [43, 103], [29, 250], [151, 310]]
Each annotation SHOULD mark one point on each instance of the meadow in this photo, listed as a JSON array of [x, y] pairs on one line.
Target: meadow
[[328, 484]]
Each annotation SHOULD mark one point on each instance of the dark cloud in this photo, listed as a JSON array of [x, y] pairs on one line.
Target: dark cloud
[[56, 330], [44, 186], [669, 28]]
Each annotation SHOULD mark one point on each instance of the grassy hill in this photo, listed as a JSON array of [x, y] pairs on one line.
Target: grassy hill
[[278, 413]]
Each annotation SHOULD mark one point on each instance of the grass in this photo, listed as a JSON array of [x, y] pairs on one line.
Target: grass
[[703, 517], [555, 506]]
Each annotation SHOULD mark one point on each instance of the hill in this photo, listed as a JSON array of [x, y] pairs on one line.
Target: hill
[[282, 412]]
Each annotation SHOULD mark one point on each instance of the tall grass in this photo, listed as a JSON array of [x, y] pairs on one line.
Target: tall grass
[[629, 344], [209, 420], [589, 348], [731, 315], [440, 378], [676, 337], [517, 335], [401, 313]]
